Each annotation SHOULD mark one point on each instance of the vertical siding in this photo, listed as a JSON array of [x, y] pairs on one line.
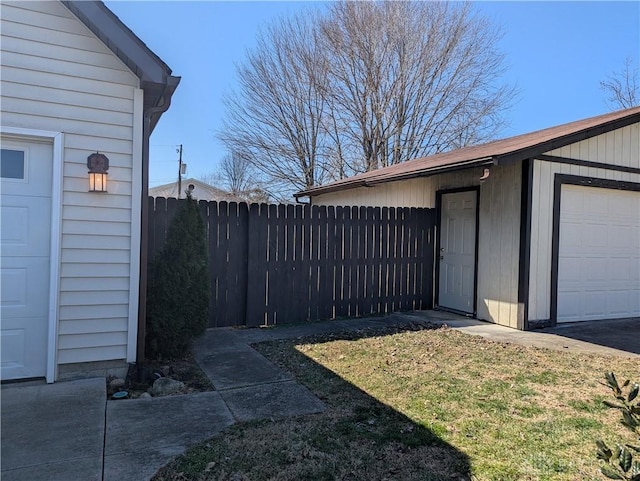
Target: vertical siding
[[499, 227], [57, 76], [499, 245], [619, 147], [613, 148]]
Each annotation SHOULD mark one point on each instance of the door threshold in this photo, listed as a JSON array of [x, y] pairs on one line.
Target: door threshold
[[455, 311]]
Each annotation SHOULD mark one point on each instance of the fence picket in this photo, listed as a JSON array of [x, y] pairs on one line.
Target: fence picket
[[328, 266], [257, 258], [299, 301], [373, 259], [315, 259]]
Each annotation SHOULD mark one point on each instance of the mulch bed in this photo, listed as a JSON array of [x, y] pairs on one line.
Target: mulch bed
[[140, 378]]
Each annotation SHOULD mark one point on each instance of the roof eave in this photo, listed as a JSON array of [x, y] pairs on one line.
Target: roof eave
[[563, 141], [159, 95], [370, 182], [496, 158]]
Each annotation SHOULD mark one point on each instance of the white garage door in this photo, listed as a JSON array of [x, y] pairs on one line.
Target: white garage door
[[25, 231], [599, 254]]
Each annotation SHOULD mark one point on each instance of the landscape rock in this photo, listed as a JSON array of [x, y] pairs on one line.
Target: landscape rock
[[144, 395], [116, 384], [166, 385]]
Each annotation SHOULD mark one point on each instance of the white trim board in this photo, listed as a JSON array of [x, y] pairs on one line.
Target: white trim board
[[136, 224]]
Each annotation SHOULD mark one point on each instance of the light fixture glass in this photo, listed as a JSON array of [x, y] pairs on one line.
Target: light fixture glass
[[97, 182]]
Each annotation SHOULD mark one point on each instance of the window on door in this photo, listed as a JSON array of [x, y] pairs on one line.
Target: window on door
[[12, 164]]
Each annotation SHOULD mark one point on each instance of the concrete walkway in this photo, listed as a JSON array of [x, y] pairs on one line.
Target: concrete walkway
[[68, 431], [53, 431]]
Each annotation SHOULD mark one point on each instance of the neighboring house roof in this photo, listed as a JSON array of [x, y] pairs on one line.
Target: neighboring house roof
[[201, 191], [155, 76], [506, 150]]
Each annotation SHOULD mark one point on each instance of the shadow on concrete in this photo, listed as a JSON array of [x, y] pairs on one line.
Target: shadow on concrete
[[621, 334]]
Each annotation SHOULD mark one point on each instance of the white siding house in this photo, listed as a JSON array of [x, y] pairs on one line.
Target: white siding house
[[199, 190], [74, 81], [558, 221]]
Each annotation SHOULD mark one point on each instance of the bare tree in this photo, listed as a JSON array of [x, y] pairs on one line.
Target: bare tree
[[277, 113], [365, 85], [240, 178], [412, 78], [623, 88], [212, 178], [237, 176], [236, 172]]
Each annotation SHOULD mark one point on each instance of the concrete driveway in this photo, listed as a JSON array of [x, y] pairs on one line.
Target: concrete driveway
[[619, 334], [612, 338]]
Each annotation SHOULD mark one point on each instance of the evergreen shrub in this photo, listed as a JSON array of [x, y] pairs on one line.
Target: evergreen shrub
[[179, 290]]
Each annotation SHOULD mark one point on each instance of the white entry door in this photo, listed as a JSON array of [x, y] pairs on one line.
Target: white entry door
[[599, 254], [25, 231], [457, 254]]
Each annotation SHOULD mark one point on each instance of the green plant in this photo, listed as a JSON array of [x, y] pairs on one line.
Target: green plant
[[179, 287], [619, 460]]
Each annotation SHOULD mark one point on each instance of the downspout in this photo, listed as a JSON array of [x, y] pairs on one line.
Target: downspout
[[144, 234]]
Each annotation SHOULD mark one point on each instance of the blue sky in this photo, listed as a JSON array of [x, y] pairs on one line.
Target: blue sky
[[557, 53]]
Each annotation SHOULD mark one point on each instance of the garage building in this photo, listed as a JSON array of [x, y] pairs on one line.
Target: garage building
[[532, 230]]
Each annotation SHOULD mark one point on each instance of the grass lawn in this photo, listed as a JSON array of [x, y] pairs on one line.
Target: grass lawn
[[426, 404]]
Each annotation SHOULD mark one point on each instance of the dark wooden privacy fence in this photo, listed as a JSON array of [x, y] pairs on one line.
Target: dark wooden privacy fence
[[277, 264]]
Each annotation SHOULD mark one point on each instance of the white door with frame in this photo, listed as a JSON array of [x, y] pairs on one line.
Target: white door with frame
[[457, 255], [26, 169]]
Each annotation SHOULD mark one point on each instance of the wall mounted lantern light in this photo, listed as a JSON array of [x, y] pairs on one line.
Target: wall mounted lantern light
[[98, 164]]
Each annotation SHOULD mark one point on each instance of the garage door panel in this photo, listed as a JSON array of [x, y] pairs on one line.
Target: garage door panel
[[572, 203], [621, 270], [594, 270], [599, 254], [618, 300], [635, 273], [595, 235], [25, 284], [595, 203], [14, 288], [594, 303], [572, 238], [634, 300], [18, 360], [622, 236], [17, 235], [573, 268], [566, 305], [13, 348], [26, 227]]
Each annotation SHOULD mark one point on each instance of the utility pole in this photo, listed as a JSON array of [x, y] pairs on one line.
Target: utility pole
[[179, 172]]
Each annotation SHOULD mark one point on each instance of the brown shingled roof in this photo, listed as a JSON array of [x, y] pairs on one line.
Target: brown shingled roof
[[499, 151]]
